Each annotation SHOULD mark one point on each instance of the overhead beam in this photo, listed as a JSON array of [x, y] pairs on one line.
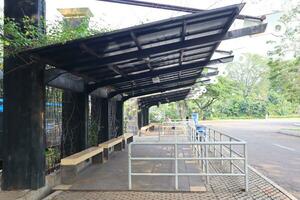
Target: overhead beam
[[163, 102], [132, 89], [117, 70], [252, 30], [158, 90], [149, 51], [164, 95], [209, 74], [224, 52], [136, 41], [139, 46], [155, 73], [175, 8], [63, 80], [149, 74], [163, 99], [241, 33], [152, 85], [183, 33]]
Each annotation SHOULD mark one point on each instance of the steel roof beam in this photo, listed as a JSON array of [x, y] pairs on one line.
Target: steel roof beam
[[159, 72], [152, 85], [175, 8], [158, 90]]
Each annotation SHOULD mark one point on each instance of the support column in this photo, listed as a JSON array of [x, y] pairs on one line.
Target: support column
[[74, 122], [104, 130], [146, 116], [24, 108], [140, 118], [119, 117], [96, 114]]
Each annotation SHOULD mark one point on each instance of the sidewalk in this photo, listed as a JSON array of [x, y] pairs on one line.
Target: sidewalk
[[219, 188]]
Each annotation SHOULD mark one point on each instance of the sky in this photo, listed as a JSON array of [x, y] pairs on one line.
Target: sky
[[118, 16]]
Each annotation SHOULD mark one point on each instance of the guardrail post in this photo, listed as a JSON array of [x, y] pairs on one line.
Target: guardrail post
[[202, 153], [176, 166], [221, 149], [206, 164], [214, 139], [230, 155], [246, 168], [129, 167]]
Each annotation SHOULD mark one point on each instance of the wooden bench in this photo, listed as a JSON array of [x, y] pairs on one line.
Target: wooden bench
[[127, 138], [72, 165], [116, 143], [147, 128]]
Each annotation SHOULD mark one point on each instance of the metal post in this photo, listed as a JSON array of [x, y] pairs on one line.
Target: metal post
[[176, 167], [159, 131], [129, 167], [206, 164], [221, 149], [202, 153], [214, 145], [246, 168], [230, 155]]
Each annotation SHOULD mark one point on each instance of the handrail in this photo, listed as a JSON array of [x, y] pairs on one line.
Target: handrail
[[206, 147]]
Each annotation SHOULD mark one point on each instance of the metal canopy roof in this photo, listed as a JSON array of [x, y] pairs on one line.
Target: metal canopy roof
[[158, 56], [163, 98]]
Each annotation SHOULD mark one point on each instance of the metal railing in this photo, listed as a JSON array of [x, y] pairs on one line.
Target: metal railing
[[207, 148]]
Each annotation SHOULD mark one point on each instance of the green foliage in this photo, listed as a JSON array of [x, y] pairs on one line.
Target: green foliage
[[254, 88], [285, 79], [25, 35], [93, 133], [170, 110], [52, 157], [289, 37]]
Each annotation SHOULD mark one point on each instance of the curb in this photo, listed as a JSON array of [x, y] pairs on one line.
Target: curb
[[289, 133], [273, 183], [52, 195]]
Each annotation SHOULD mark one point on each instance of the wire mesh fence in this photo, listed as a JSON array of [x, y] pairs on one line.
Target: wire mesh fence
[[53, 128]]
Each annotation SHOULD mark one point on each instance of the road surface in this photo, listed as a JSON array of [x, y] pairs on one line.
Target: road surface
[[275, 155]]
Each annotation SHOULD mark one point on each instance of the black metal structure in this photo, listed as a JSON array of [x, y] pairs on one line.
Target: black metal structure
[[167, 97], [173, 8], [153, 57], [145, 103]]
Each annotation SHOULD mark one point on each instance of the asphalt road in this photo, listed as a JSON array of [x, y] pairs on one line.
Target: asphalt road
[[275, 155]]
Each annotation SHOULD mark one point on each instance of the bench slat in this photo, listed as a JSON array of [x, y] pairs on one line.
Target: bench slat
[[81, 156], [127, 135], [110, 143]]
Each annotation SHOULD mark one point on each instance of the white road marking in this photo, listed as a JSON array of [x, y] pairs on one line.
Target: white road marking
[[284, 147]]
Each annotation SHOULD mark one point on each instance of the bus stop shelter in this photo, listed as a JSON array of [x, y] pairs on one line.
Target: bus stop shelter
[[111, 67]]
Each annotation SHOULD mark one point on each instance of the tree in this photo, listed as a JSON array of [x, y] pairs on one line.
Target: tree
[[285, 73], [215, 92], [249, 73], [285, 79], [288, 42]]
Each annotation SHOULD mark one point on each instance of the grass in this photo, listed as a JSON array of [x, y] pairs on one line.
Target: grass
[[293, 129]]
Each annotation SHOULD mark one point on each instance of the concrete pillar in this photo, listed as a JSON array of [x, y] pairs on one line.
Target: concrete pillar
[[104, 128], [24, 96], [140, 118], [74, 122], [146, 117], [96, 114], [119, 117]]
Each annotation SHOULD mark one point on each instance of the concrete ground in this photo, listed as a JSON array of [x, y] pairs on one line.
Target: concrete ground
[[109, 181], [113, 175], [219, 188], [274, 154]]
